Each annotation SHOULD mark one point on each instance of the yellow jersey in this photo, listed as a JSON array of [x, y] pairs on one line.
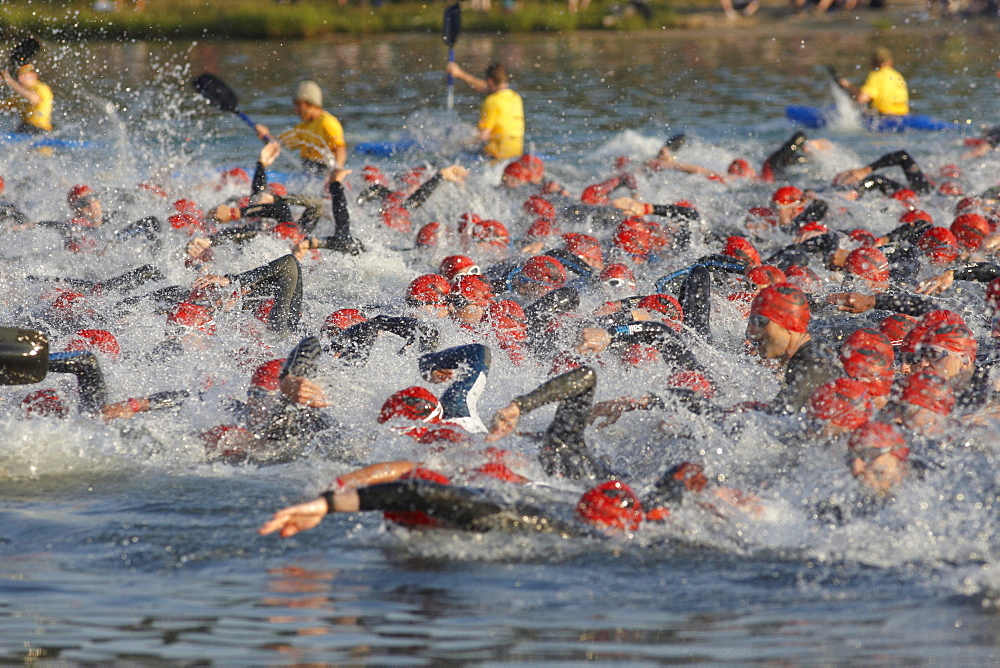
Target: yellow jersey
[[502, 115], [317, 139], [36, 115], [887, 89]]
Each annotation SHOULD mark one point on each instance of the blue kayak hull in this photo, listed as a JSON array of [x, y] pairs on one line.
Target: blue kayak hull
[[43, 141], [820, 117]]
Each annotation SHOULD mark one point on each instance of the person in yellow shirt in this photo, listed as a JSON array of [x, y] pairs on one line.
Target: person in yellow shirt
[[501, 119], [33, 100], [319, 137], [885, 88]]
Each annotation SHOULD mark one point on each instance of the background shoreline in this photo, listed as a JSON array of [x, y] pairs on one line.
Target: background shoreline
[[263, 19]]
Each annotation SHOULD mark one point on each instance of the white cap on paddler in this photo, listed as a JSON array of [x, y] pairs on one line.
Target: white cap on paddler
[[310, 93]]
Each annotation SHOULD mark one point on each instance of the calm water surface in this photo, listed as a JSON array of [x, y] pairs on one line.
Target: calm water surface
[[123, 546]]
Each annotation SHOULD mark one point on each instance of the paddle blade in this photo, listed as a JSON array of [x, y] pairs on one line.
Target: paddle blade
[[215, 90], [24, 356], [452, 24], [23, 53]]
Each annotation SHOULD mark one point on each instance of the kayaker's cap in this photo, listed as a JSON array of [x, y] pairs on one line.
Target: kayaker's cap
[[310, 93]]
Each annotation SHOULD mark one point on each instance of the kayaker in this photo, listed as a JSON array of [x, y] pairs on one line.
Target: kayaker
[[501, 119], [885, 88], [318, 137], [33, 100]]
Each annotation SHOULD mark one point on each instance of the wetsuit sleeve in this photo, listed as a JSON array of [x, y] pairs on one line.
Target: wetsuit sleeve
[[907, 303], [259, 183], [471, 364], [659, 336], [423, 192], [313, 210], [676, 211], [10, 213], [376, 191], [411, 329], [167, 399], [565, 386], [903, 160], [992, 137], [561, 300], [130, 280], [461, 506], [788, 154], [277, 210], [810, 367], [341, 240], [236, 234], [878, 182], [89, 377], [814, 212], [982, 272], [280, 280], [909, 233]]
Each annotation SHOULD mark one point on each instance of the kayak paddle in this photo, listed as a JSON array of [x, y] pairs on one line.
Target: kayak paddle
[[452, 26], [215, 90], [22, 53], [24, 356]]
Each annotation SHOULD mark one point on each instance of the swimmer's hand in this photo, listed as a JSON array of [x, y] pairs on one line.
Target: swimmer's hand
[[336, 175], [593, 340], [852, 302], [504, 422], [293, 519], [197, 247], [936, 284], [851, 176], [632, 207], [454, 173], [611, 411], [303, 391], [269, 153], [207, 280]]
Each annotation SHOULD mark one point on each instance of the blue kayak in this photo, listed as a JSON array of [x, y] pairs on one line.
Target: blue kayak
[[385, 149], [820, 117], [44, 141]]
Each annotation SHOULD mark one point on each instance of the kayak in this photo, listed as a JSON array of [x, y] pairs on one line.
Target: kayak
[[385, 149], [43, 141], [820, 117]]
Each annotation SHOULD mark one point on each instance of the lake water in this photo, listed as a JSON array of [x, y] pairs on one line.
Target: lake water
[[122, 545]]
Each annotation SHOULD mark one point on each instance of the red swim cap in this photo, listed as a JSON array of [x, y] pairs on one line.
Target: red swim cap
[[474, 289], [455, 265], [844, 402], [742, 250], [490, 232], [993, 294], [583, 246], [904, 195], [542, 228], [636, 241], [952, 337], [397, 218], [928, 390], [951, 188], [546, 270], [871, 366], [869, 264], [267, 375], [427, 289], [537, 205], [44, 403], [507, 320], [911, 216], [970, 229], [665, 304], [413, 403], [783, 304], [611, 504], [765, 275], [866, 337], [787, 196], [342, 319], [874, 439], [939, 245], [195, 316], [739, 167], [896, 327], [95, 340], [618, 275], [429, 234], [803, 278], [79, 195]]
